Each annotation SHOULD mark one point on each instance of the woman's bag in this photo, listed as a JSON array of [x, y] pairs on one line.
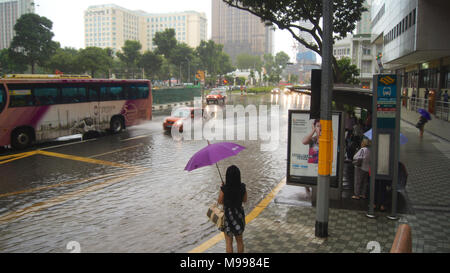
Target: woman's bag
[[358, 161], [216, 215]]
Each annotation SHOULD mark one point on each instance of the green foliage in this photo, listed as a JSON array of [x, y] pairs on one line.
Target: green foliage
[[95, 59], [151, 62], [262, 89], [130, 55], [348, 72], [246, 61], [8, 66], [32, 43], [274, 66], [289, 15], [65, 60], [165, 42], [212, 59]]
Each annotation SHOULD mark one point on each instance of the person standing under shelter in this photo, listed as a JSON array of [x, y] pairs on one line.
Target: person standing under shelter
[[361, 161]]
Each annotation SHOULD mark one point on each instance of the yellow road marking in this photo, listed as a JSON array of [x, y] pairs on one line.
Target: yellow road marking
[[133, 138], [18, 156], [85, 159], [250, 217], [61, 199], [118, 150]]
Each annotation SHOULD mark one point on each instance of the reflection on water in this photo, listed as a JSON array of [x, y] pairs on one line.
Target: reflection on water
[[161, 209]]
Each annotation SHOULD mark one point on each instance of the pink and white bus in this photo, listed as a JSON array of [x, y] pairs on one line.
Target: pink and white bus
[[38, 109]]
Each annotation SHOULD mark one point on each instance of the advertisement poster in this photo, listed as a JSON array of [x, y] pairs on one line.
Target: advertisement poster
[[304, 147]]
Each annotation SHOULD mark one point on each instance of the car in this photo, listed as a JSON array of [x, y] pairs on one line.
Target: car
[[178, 116], [276, 91], [216, 95]]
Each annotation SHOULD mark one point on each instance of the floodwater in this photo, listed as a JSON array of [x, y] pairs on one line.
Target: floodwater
[[129, 192]]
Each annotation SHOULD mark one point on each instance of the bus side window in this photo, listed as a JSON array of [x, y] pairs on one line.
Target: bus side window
[[104, 93], [117, 93], [143, 92], [93, 94], [46, 95], [133, 92], [73, 94], [20, 97]]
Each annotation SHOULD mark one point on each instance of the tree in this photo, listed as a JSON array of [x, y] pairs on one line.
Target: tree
[[213, 59], [94, 59], [289, 15], [8, 66], [65, 60], [274, 65], [130, 55], [181, 56], [165, 42], [33, 43], [151, 63], [349, 72]]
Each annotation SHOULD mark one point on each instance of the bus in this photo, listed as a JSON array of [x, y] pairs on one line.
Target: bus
[[36, 109]]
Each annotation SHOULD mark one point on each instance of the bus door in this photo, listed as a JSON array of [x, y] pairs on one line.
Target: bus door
[[94, 105]]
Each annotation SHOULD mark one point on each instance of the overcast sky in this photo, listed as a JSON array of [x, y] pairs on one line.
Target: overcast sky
[[67, 17]]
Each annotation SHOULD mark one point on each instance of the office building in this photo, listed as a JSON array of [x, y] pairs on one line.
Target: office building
[[239, 31], [412, 36], [111, 25], [10, 11]]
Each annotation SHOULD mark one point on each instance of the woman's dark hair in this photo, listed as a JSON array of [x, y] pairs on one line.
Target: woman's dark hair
[[232, 188]]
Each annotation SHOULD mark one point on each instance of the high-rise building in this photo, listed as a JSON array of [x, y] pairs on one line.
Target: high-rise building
[[111, 25], [10, 11], [363, 25], [239, 31], [411, 37]]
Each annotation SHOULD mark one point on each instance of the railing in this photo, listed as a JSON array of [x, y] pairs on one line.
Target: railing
[[441, 108]]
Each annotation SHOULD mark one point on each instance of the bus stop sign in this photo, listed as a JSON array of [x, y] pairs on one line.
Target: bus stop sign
[[386, 101]]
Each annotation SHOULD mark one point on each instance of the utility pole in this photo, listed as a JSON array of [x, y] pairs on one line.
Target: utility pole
[[326, 137]]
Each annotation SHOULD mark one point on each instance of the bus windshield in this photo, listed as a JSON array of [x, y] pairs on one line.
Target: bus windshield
[[2, 98]]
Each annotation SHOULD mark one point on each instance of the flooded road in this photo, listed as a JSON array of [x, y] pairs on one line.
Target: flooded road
[[129, 192]]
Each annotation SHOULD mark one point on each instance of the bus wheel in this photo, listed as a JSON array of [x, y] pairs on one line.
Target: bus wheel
[[21, 138], [116, 125]]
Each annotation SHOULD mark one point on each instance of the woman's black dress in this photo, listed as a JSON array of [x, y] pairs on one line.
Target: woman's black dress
[[234, 222]]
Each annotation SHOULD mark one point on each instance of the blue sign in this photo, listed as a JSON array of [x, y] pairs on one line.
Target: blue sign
[[386, 101]]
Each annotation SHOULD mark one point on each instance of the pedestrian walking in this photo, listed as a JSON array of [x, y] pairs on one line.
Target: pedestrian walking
[[361, 160], [421, 125], [446, 99], [231, 195]]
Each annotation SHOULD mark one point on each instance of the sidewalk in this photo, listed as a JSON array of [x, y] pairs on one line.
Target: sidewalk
[[287, 225]]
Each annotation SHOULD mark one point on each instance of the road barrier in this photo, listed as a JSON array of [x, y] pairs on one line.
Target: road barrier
[[403, 240]]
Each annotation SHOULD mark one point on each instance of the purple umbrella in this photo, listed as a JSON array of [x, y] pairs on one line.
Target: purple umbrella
[[424, 113], [212, 154]]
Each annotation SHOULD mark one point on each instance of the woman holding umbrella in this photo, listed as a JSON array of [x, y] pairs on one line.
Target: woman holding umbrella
[[232, 194], [424, 118]]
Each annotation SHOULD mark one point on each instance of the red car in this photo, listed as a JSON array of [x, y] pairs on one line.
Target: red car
[[180, 114], [216, 95]]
